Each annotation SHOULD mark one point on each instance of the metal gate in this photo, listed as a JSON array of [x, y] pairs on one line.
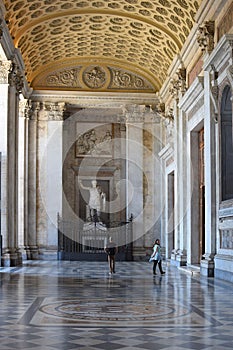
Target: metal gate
[[88, 244]]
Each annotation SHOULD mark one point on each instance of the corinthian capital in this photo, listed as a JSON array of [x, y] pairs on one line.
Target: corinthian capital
[[174, 88], [15, 77], [182, 79], [205, 37], [33, 109], [55, 111]]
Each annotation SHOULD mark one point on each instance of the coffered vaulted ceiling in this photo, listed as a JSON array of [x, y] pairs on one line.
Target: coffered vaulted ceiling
[[123, 45]]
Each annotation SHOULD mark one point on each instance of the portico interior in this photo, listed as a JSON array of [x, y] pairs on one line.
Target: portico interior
[[135, 94]]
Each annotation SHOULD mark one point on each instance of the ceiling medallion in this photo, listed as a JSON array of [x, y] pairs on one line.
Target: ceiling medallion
[[94, 77]]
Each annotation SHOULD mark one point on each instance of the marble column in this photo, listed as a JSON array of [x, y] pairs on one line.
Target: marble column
[[30, 238], [11, 255], [177, 194], [4, 68], [124, 215], [22, 174], [182, 188], [54, 173], [152, 178], [207, 264], [41, 188], [134, 175]]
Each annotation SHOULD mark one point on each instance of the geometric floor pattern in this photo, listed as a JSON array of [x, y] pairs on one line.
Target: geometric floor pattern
[[67, 305]]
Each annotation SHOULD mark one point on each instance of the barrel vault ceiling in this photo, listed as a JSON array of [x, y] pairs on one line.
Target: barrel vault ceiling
[[123, 45]]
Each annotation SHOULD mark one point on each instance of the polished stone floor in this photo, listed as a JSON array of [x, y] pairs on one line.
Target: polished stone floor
[[77, 305]]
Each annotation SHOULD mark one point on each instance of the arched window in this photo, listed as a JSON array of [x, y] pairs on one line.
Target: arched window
[[226, 145]]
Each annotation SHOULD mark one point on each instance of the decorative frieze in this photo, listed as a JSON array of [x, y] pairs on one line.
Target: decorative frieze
[[205, 37], [66, 77], [125, 80], [95, 77]]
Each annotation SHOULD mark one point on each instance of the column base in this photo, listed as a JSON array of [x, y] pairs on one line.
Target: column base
[[207, 268], [32, 253], [11, 259], [178, 258]]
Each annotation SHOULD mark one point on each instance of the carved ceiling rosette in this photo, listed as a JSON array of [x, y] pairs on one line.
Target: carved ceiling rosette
[[94, 77]]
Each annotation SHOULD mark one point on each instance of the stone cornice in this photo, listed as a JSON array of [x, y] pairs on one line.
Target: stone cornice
[[95, 100]]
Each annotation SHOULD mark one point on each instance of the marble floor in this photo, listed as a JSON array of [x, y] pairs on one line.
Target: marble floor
[[77, 305]]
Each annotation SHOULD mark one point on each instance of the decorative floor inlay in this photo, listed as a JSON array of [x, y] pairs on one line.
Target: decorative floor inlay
[[49, 305], [112, 312]]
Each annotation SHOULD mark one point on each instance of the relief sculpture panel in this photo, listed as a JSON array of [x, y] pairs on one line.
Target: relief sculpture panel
[[96, 141]]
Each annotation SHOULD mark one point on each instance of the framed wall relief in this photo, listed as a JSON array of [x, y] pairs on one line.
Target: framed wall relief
[[93, 140]]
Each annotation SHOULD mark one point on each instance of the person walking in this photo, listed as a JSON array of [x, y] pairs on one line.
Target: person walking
[[111, 250], [156, 257]]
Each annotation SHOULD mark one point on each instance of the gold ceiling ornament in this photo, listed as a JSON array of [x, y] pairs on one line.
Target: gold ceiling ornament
[[145, 34]]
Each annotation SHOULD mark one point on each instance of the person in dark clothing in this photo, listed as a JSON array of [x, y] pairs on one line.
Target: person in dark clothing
[[111, 250]]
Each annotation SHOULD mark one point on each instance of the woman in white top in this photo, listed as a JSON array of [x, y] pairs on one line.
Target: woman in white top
[[156, 257]]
